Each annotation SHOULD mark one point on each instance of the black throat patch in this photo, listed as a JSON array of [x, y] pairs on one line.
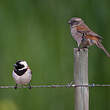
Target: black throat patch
[[20, 72]]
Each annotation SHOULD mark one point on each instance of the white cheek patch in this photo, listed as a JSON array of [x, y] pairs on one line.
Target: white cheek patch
[[25, 65]]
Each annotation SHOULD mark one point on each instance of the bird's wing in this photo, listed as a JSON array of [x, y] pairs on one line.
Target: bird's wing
[[84, 29], [29, 69], [91, 33]]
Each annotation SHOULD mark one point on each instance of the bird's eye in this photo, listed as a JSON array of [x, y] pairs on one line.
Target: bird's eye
[[75, 22], [19, 66]]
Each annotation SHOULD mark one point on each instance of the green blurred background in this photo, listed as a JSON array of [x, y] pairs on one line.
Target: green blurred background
[[37, 31]]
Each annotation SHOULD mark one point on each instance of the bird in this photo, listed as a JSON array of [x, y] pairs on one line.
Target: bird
[[84, 36], [22, 74]]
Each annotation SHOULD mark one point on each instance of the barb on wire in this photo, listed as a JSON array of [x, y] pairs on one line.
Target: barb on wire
[[59, 86]]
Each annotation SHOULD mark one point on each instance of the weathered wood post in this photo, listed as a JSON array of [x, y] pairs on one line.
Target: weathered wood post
[[80, 78]]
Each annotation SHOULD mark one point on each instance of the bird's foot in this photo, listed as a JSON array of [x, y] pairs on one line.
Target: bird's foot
[[29, 86], [15, 87], [78, 49], [84, 49]]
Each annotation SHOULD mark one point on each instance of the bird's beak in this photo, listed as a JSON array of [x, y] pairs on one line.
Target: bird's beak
[[14, 65], [69, 22]]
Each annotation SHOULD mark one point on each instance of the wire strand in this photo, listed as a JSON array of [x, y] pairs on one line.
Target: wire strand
[[58, 86]]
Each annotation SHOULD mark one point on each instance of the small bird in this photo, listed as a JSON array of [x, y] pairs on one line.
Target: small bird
[[22, 73], [84, 36]]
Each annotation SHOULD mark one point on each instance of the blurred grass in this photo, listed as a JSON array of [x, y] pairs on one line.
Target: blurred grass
[[37, 31], [7, 105]]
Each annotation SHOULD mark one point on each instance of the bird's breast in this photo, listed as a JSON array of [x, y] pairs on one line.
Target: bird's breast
[[76, 35], [23, 79]]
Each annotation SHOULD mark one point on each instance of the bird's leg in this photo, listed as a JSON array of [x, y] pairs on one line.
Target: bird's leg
[[29, 85], [83, 36], [78, 48], [15, 87], [84, 42]]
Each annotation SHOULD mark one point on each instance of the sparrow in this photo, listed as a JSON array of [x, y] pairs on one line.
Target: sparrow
[[22, 73], [84, 36]]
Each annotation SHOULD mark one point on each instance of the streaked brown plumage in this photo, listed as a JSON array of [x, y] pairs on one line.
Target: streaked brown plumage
[[84, 36]]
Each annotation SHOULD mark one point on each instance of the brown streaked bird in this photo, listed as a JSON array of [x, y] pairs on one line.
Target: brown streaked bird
[[84, 36]]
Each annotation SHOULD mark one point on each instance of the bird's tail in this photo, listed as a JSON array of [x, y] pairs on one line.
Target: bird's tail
[[99, 44]]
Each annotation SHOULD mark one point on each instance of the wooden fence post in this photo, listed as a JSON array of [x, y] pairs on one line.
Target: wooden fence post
[[80, 78]]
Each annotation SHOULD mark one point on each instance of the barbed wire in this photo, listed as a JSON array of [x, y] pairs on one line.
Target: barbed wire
[[58, 86]]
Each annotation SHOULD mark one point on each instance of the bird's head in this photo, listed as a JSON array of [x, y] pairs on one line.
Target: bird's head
[[75, 21], [20, 65]]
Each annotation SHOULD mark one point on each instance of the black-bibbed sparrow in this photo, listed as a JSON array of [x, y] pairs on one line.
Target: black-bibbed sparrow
[[22, 73]]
